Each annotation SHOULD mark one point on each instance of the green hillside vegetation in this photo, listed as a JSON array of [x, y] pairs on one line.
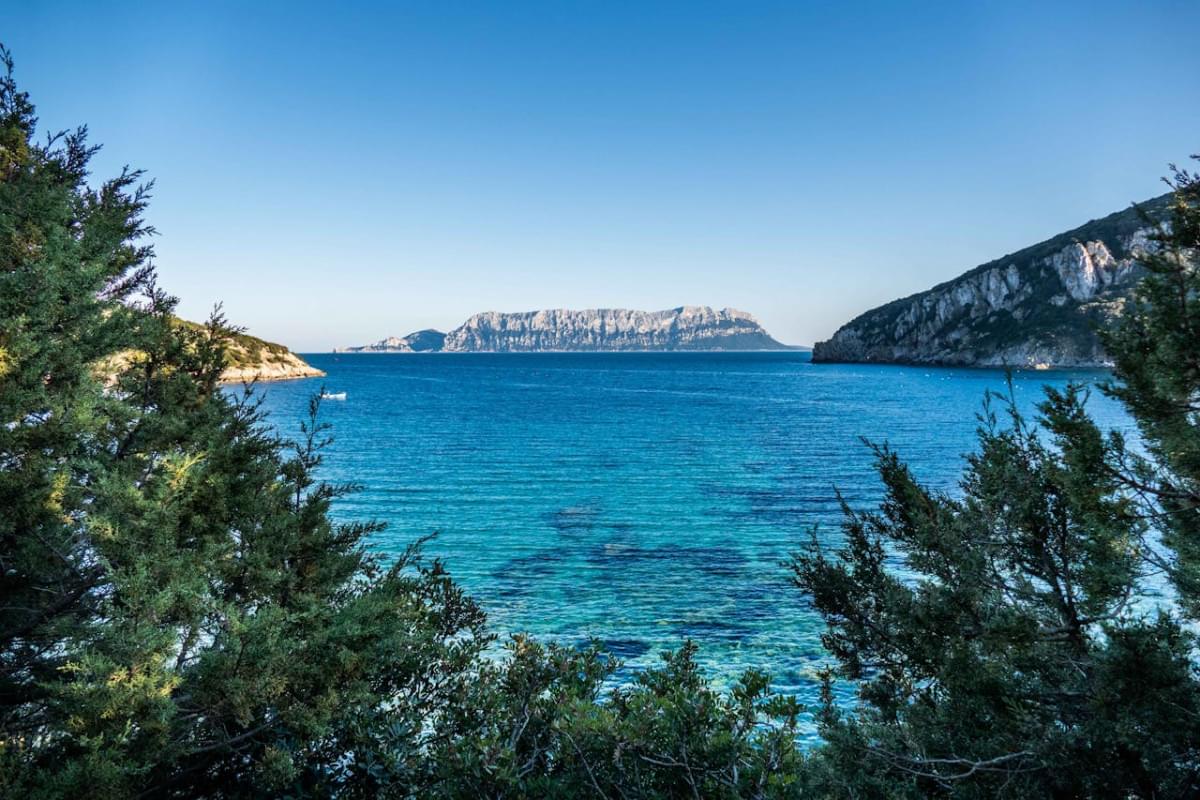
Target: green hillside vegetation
[[182, 615], [246, 358], [242, 349]]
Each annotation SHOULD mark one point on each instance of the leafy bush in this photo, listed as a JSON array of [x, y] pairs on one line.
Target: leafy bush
[[1026, 658], [180, 616]]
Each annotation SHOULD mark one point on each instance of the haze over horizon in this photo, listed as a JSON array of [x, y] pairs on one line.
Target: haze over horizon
[[338, 177]]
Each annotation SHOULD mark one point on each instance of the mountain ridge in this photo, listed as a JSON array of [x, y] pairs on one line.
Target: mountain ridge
[[695, 328], [1040, 305]]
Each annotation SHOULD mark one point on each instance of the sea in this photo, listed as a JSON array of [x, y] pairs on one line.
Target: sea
[[641, 499]]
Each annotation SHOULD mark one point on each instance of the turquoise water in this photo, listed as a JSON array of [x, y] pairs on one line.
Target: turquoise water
[[638, 498]]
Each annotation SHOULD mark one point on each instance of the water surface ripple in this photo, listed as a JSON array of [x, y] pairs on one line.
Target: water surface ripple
[[638, 498]]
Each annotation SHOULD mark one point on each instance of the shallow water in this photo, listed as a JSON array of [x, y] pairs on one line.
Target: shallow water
[[639, 498]]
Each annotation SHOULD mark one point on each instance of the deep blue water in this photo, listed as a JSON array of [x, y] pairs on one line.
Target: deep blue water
[[639, 498]]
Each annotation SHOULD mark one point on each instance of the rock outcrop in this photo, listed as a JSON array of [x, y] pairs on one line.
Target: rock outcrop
[[247, 359], [684, 328], [252, 359], [604, 329], [271, 366], [1039, 306], [426, 341]]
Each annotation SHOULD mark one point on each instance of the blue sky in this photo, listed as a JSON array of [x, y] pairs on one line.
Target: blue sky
[[337, 174]]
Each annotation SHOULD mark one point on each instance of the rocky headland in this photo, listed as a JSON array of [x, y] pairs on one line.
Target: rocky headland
[[251, 359], [247, 359], [1040, 306]]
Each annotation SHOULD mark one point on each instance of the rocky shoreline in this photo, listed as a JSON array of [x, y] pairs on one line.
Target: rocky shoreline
[[286, 368], [250, 359]]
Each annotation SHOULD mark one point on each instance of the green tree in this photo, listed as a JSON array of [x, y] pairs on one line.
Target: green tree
[[1018, 651], [547, 722], [179, 615], [1156, 347]]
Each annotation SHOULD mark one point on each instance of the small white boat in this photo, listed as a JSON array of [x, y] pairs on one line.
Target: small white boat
[[333, 395]]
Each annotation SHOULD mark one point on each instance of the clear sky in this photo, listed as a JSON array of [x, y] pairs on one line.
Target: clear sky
[[339, 172]]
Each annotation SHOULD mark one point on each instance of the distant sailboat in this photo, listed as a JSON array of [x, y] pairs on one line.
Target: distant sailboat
[[333, 395]]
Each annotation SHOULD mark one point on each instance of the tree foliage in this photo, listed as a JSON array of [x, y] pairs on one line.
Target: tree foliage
[[181, 616], [179, 613], [546, 726], [1007, 640]]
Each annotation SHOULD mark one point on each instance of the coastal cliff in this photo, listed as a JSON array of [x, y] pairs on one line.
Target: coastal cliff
[[1039, 306], [249, 358], [605, 329], [684, 328], [252, 359]]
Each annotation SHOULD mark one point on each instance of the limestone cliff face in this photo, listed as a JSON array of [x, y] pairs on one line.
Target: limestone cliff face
[[1041, 305], [611, 329]]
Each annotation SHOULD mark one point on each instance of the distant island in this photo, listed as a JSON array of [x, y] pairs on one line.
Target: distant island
[[686, 328], [426, 341], [1040, 306]]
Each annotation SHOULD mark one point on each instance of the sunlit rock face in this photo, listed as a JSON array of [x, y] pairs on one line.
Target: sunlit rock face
[[1039, 306], [426, 341], [611, 329]]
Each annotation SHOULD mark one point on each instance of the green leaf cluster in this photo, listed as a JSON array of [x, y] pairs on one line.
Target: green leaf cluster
[[181, 616], [1033, 635]]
